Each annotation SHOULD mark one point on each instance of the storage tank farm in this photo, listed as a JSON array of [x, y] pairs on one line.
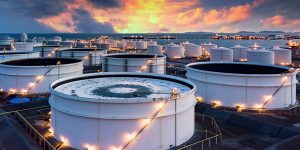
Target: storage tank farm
[[34, 75], [127, 110], [250, 85], [90, 56], [127, 62]]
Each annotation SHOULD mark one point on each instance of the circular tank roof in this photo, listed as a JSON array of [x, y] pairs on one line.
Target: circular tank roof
[[14, 52], [40, 61], [82, 49], [121, 87], [239, 68], [122, 55]]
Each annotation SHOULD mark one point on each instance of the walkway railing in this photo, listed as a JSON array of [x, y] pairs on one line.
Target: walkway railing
[[44, 143], [211, 137]]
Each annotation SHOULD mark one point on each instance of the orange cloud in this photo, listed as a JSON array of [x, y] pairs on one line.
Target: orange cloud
[[62, 22], [153, 16], [279, 21], [238, 13]]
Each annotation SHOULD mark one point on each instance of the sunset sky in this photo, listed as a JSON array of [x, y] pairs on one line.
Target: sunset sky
[[147, 16]]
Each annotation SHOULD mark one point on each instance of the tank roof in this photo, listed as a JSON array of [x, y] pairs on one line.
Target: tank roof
[[81, 49], [240, 68], [122, 87], [14, 52], [40, 61], [122, 55]]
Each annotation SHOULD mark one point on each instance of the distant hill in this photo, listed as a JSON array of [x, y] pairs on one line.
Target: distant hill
[[246, 32], [276, 32]]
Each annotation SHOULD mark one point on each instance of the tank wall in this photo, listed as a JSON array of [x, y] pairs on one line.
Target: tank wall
[[19, 78], [103, 131], [25, 46], [18, 56], [47, 51], [134, 65], [93, 59], [249, 90], [177, 52]]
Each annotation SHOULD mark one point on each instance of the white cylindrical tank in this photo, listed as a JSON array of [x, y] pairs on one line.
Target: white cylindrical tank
[[174, 51], [192, 50], [13, 55], [206, 48], [255, 46], [141, 45], [151, 43], [125, 62], [34, 75], [131, 44], [5, 40], [282, 56], [239, 53], [222, 54], [83, 44], [246, 84], [154, 49], [113, 109], [25, 46], [90, 56], [113, 43], [105, 46], [68, 43], [261, 56], [54, 41], [121, 44], [48, 50]]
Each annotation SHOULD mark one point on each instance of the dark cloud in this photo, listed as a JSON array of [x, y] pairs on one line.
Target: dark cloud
[[105, 4], [218, 4], [37, 8], [86, 24], [287, 8]]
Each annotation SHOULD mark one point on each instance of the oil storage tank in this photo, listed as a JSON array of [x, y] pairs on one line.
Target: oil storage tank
[[282, 56], [261, 56], [34, 75], [122, 111], [13, 55], [48, 50], [174, 51], [25, 46], [222, 54], [141, 45], [126, 62], [90, 56], [154, 49], [192, 50], [206, 47], [239, 53], [249, 84]]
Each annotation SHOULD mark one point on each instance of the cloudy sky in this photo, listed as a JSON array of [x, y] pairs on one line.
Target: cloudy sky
[[146, 16]]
